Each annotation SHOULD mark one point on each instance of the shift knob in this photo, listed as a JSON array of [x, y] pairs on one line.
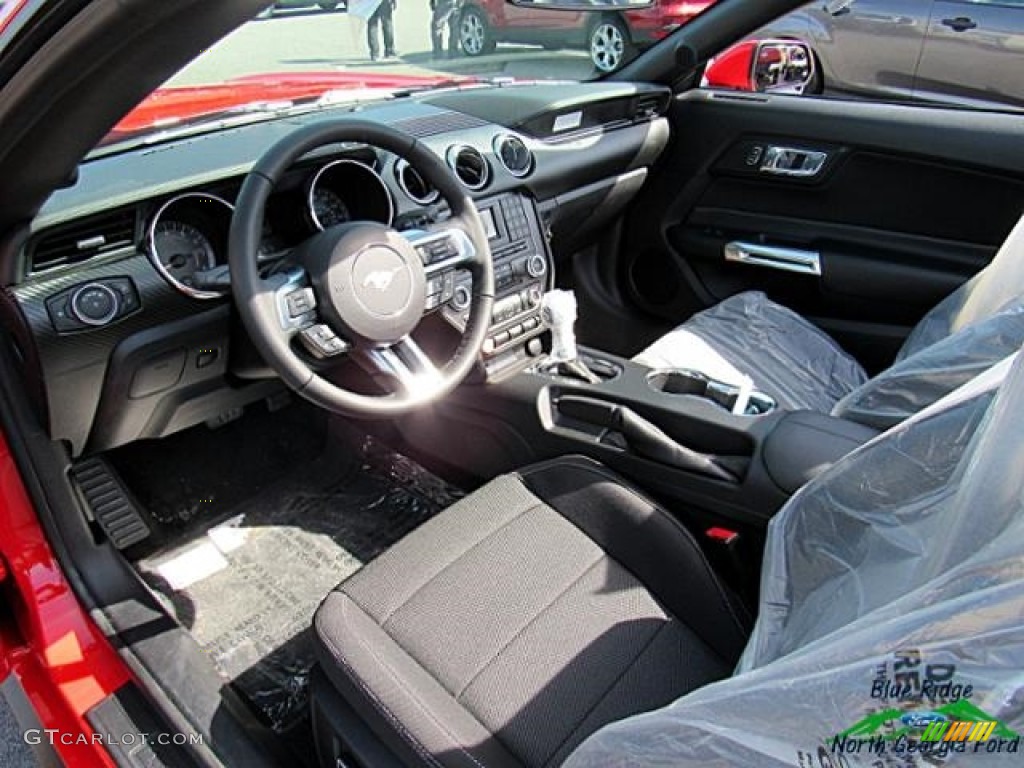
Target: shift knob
[[558, 308]]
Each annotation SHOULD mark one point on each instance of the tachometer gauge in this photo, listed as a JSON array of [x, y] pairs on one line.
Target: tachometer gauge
[[328, 208], [182, 250]]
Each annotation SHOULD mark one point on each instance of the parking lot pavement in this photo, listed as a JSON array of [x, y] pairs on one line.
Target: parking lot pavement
[[334, 41]]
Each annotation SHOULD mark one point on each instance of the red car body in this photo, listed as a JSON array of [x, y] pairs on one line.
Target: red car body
[[61, 660], [540, 25]]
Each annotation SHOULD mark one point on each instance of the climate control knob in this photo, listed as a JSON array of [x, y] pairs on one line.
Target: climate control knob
[[536, 265], [94, 304]]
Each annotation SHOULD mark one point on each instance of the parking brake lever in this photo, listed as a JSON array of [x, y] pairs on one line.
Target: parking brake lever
[[642, 436]]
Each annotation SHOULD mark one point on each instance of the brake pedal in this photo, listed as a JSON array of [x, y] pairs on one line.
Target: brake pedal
[[109, 502]]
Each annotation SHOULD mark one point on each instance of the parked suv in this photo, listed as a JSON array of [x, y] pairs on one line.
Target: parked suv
[[612, 38]]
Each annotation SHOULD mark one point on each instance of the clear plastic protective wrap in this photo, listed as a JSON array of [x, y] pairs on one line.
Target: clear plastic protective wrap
[[919, 379], [787, 357], [967, 332], [891, 619]]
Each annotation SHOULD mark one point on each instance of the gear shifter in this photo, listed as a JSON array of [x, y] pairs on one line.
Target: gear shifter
[[558, 308]]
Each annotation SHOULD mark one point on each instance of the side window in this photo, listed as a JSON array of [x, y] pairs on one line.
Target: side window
[[964, 53]]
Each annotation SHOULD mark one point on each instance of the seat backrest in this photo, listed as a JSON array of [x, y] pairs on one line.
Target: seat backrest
[[993, 289], [967, 332], [892, 598]]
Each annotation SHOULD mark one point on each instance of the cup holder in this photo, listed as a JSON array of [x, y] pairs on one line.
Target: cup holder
[[687, 382]]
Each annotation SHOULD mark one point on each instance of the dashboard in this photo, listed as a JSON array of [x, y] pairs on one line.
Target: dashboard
[[129, 330]]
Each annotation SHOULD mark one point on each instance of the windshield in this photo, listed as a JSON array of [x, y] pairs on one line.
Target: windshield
[[307, 54]]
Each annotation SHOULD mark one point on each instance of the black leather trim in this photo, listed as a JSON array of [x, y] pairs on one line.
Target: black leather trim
[[647, 541]]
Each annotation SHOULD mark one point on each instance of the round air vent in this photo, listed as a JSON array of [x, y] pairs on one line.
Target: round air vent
[[514, 154], [470, 166], [414, 185]]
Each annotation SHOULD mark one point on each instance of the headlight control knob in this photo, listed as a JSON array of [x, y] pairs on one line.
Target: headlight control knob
[[94, 304]]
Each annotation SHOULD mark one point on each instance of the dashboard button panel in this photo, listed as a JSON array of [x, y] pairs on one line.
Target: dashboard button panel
[[93, 304]]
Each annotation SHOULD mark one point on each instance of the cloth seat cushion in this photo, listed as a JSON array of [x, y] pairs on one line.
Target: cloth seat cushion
[[523, 618], [748, 334]]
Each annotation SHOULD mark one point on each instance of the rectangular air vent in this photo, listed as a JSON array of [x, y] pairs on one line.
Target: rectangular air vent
[[82, 239]]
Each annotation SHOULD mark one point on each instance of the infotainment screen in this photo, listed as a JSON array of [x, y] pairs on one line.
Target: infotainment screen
[[487, 216]]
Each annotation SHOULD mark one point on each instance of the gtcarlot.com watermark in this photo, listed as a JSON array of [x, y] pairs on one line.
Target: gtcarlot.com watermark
[[55, 737]]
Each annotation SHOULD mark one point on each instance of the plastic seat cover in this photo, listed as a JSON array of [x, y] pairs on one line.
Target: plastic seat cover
[[892, 603]]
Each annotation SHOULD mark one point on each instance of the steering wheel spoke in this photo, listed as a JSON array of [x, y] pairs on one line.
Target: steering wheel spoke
[[298, 317], [406, 364]]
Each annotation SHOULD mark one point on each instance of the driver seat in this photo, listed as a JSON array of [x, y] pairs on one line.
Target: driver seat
[[516, 623], [558, 615]]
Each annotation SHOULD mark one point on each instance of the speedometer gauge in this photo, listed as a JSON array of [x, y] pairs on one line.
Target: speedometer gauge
[[183, 250], [328, 208], [188, 235]]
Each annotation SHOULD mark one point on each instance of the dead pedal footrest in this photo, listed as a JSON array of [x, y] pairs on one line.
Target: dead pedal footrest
[[109, 502]]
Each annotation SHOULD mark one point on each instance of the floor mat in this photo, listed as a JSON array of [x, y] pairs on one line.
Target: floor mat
[[247, 587]]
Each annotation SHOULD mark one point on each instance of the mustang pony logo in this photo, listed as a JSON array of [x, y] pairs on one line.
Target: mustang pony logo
[[380, 278]]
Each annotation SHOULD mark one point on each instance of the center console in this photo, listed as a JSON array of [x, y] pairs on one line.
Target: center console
[[697, 442], [522, 274]]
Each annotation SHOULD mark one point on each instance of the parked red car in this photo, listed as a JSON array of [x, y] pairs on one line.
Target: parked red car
[[611, 38]]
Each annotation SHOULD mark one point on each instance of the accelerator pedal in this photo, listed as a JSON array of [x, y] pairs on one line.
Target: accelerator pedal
[[109, 502]]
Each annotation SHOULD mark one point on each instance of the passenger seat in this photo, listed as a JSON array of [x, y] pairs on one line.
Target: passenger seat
[[802, 367]]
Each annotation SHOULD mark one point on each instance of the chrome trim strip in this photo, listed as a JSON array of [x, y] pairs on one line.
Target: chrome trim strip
[[775, 257], [154, 258]]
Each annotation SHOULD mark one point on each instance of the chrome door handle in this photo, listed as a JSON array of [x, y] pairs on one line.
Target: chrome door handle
[[775, 257], [791, 161]]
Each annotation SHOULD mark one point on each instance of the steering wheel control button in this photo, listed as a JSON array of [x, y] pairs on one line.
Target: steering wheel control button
[[322, 342], [94, 304], [437, 251], [300, 302], [461, 297]]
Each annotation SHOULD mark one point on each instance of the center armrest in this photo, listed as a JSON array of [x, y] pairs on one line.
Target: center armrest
[[804, 444]]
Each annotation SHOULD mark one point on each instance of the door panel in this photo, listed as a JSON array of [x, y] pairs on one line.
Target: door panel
[[908, 204]]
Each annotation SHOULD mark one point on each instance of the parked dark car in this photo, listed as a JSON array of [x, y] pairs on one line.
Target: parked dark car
[[948, 51], [611, 38]]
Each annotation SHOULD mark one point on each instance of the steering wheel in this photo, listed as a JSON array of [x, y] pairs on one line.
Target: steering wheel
[[359, 288]]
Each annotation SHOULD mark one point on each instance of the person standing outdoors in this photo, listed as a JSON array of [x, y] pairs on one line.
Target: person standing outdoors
[[378, 13], [444, 18]]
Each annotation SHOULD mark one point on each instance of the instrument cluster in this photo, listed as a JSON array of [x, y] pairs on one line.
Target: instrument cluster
[[187, 235]]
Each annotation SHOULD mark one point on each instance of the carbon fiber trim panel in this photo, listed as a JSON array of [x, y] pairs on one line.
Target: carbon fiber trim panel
[[73, 365]]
